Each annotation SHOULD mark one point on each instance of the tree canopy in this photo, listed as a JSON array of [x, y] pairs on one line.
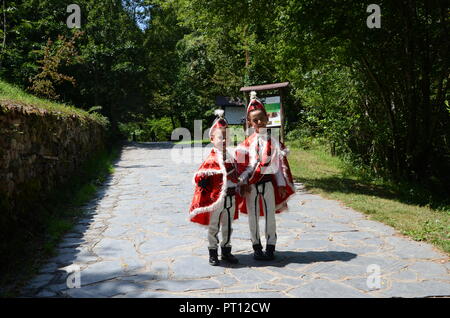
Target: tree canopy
[[378, 95]]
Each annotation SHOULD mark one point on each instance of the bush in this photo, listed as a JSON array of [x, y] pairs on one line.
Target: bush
[[157, 129], [302, 137]]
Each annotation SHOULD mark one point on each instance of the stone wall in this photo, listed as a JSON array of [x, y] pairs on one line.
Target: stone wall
[[40, 150]]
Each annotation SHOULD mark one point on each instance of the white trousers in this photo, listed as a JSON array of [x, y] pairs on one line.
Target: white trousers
[[221, 218], [262, 195]]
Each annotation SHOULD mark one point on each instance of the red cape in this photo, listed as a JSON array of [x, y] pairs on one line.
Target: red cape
[[253, 167], [210, 189]]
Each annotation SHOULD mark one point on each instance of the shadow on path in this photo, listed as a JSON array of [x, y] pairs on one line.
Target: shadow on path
[[282, 258], [151, 145]]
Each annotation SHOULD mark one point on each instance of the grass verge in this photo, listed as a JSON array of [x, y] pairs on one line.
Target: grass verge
[[410, 209], [9, 92]]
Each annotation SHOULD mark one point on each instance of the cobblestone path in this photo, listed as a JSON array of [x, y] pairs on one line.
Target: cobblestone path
[[135, 241]]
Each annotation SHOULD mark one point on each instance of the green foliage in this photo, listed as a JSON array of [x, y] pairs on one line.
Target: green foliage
[[54, 54], [131, 130], [377, 95], [112, 65], [393, 118], [12, 93], [157, 129], [160, 127], [94, 109], [302, 138], [410, 208]]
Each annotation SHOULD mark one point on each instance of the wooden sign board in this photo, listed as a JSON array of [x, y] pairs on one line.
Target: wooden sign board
[[273, 104], [273, 109]]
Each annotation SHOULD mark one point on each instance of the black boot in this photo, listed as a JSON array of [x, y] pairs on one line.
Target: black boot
[[227, 256], [213, 258], [270, 249], [259, 254]]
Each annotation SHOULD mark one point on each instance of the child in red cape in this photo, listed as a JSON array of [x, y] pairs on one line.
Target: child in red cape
[[214, 201], [265, 179]]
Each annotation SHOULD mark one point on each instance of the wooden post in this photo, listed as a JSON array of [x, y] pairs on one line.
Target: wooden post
[[245, 120], [281, 115]]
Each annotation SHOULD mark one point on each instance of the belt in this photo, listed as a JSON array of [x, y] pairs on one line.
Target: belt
[[264, 179], [231, 191]]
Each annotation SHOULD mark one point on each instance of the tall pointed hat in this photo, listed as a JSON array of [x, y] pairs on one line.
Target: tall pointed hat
[[255, 103], [219, 122]]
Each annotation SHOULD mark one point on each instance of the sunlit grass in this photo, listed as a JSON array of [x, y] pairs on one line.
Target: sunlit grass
[[12, 93], [399, 206]]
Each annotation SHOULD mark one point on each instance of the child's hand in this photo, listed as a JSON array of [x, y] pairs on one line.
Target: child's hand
[[241, 189], [244, 189]]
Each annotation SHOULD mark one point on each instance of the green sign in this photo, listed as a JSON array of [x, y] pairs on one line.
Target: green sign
[[273, 109]]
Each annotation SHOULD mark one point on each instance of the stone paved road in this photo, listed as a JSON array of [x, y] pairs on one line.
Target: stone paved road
[[135, 241]]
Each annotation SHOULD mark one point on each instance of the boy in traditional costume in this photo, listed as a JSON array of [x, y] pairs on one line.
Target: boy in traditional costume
[[265, 179], [214, 203]]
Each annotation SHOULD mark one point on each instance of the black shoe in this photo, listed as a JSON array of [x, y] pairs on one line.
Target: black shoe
[[213, 258], [270, 249], [227, 256], [258, 253]]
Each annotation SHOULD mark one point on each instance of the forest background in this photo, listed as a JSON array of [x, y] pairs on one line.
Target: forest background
[[377, 97]]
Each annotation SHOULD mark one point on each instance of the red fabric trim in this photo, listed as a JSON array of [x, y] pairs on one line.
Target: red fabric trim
[[244, 151], [209, 186]]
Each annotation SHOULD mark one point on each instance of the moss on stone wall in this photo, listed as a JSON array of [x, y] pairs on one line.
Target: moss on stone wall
[[44, 146], [40, 151]]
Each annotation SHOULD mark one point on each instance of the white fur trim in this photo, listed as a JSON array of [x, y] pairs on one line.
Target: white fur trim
[[188, 219], [252, 164], [208, 172], [250, 169], [241, 149], [223, 191], [219, 112], [285, 152]]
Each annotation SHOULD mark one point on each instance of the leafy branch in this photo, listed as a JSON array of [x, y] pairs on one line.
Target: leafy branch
[[55, 54]]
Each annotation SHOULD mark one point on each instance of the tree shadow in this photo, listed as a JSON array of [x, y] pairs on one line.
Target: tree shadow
[[151, 145], [65, 249], [44, 223], [407, 195], [137, 166]]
